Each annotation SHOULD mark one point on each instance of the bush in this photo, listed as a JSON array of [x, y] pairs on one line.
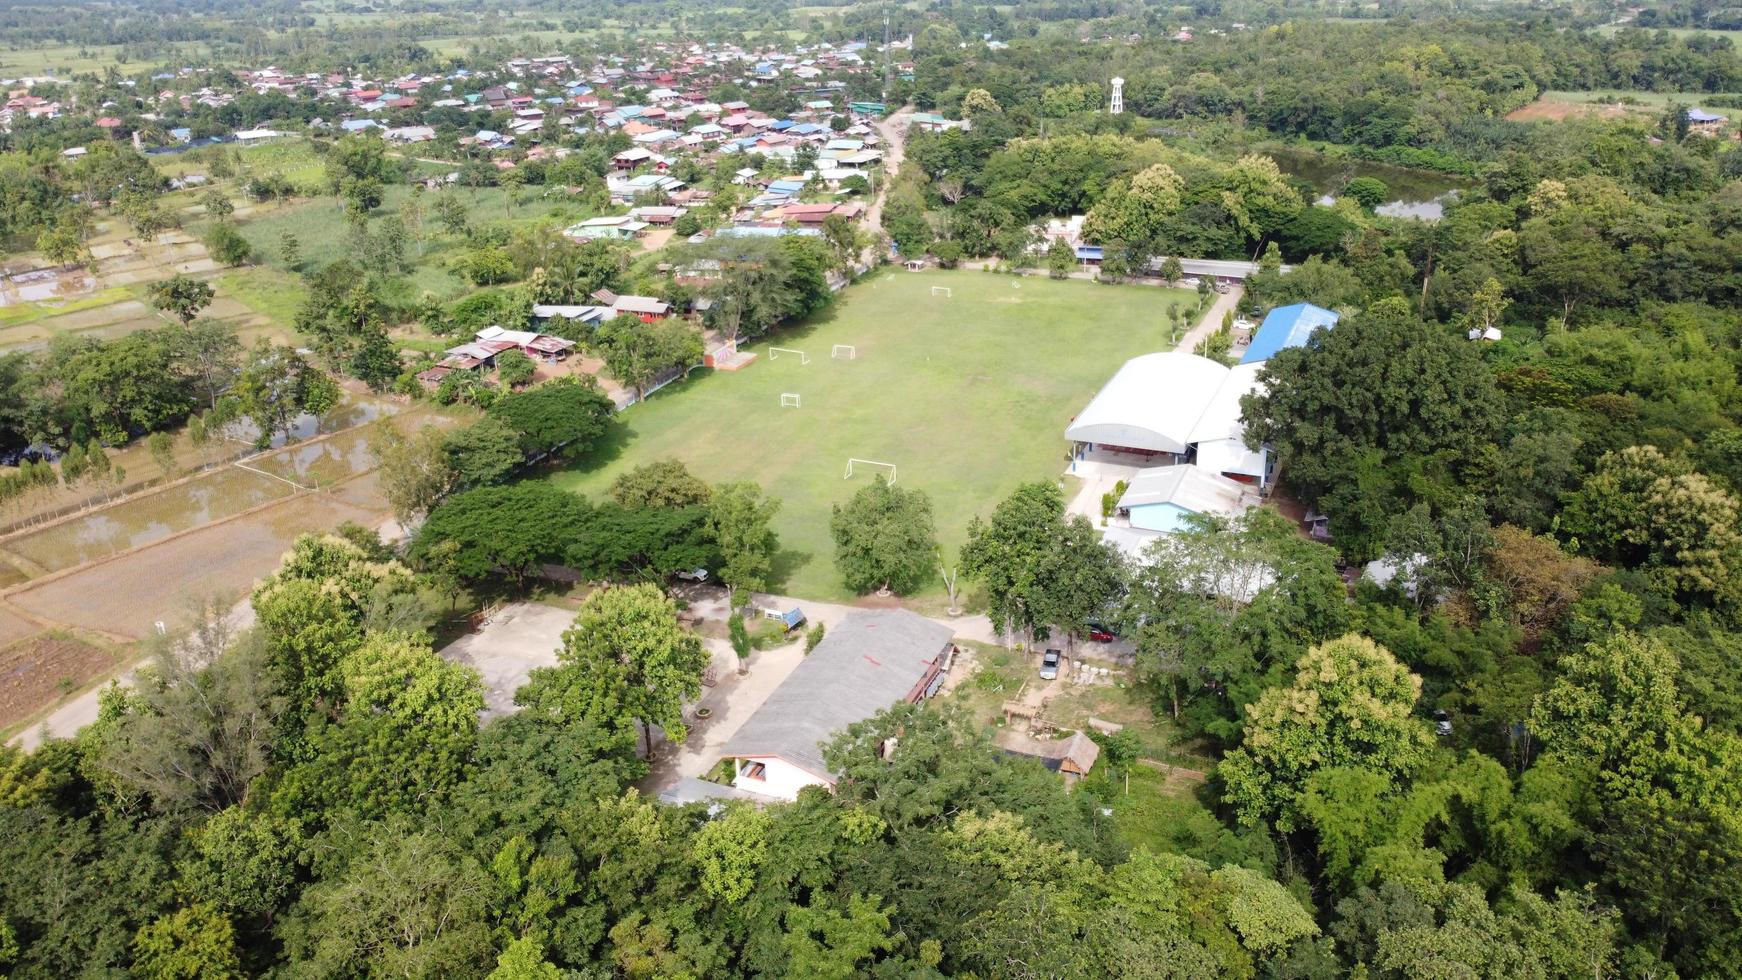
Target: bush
[[738, 636], [514, 368], [226, 245], [486, 266], [1110, 500], [812, 637]]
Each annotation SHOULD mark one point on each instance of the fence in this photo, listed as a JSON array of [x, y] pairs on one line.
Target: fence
[[671, 375]]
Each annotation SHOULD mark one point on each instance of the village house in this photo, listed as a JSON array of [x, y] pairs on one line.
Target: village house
[[871, 660], [614, 227], [480, 353]]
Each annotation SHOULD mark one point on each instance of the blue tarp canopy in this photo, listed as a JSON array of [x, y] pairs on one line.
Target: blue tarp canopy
[[792, 619], [1286, 326]]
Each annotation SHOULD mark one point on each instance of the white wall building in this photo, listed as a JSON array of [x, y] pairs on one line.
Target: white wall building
[[1181, 407]]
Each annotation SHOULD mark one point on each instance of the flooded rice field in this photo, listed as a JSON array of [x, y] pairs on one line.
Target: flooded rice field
[[213, 496], [321, 464], [44, 285], [142, 520]]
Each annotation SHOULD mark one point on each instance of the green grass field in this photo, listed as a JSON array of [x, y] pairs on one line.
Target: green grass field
[[1657, 100], [967, 395], [321, 229], [1735, 37]]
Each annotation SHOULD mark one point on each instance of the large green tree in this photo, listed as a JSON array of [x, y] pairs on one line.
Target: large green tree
[[626, 661], [560, 419], [661, 483], [181, 297], [740, 518], [1217, 606], [1042, 571], [1350, 705], [1380, 390], [885, 539], [277, 386]]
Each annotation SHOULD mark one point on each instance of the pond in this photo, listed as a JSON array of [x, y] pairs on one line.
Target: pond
[[1413, 193]]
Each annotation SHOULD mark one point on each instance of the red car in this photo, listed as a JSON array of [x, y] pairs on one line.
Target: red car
[[1100, 634]]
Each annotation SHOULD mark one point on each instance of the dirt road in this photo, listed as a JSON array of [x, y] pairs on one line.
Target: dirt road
[[892, 130], [1211, 321]]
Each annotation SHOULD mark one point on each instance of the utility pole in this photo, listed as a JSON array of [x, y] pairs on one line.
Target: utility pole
[[888, 61]]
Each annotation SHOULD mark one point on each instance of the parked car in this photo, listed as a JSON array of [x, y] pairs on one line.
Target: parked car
[[1100, 634], [694, 575], [1049, 665], [1442, 723]]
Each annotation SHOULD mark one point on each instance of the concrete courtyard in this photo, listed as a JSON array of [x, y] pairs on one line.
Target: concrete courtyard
[[521, 636]]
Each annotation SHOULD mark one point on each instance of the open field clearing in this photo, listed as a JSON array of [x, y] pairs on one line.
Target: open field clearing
[[1734, 37], [1606, 104], [968, 395]]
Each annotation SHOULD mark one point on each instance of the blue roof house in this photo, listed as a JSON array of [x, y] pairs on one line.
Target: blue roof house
[[1287, 326]]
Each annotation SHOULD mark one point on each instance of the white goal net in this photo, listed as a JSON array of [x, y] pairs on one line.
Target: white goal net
[[943, 291], [845, 352], [874, 464], [789, 399], [775, 352]]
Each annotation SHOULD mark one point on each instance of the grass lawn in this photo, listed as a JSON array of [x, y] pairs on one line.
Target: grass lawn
[[968, 396], [1157, 813], [70, 59], [264, 290]]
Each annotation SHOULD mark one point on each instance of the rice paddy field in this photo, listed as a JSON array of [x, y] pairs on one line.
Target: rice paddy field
[[967, 395]]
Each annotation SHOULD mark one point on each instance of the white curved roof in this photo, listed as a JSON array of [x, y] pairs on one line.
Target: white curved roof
[[1221, 417], [1154, 402]]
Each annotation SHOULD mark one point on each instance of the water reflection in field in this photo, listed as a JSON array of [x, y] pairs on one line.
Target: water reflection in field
[[212, 496]]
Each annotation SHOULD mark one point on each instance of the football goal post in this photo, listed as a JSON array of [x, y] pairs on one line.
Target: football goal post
[[943, 291], [789, 399], [868, 462], [845, 351], [775, 352]]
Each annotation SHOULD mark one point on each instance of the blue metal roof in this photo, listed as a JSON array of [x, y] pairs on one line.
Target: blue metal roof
[[1287, 326]]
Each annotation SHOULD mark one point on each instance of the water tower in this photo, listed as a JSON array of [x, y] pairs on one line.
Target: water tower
[[1116, 104]]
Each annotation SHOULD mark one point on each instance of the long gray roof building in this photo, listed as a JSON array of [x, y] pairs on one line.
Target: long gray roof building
[[872, 660]]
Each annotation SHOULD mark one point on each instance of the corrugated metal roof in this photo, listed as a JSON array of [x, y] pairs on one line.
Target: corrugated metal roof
[[870, 661], [1287, 326]]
